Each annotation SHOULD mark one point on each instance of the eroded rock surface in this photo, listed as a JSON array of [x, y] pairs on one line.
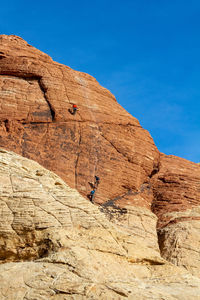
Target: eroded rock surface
[[36, 95], [35, 204], [177, 205], [102, 139], [64, 247]]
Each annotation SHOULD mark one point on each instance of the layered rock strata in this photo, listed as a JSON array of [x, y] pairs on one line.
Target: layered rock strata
[[36, 96], [65, 248], [176, 203]]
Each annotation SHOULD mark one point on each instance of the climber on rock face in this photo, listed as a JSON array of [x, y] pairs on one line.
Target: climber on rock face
[[92, 193], [74, 109], [97, 180]]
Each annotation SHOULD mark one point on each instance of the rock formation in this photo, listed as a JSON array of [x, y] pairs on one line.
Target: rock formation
[[138, 184], [36, 95], [57, 245], [176, 203]]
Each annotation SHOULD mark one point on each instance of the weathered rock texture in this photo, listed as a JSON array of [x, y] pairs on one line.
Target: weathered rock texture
[[177, 205], [102, 139], [34, 201], [65, 248], [35, 96]]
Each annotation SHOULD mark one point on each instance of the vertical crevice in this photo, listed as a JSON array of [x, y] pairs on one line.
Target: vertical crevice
[[6, 124], [44, 90], [155, 171], [97, 152], [78, 156]]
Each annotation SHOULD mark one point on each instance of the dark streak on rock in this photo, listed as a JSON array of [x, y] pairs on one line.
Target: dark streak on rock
[[44, 90], [7, 126]]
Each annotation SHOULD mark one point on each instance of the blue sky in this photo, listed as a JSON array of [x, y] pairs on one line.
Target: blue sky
[[146, 52]]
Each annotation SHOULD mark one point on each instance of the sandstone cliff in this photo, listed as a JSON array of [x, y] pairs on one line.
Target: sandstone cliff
[[138, 184], [57, 245]]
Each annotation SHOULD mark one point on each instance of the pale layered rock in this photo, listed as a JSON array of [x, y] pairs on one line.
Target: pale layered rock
[[42, 281], [180, 240], [35, 204], [77, 252]]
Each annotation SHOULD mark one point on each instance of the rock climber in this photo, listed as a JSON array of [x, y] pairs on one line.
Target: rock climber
[[97, 180], [92, 193], [74, 109]]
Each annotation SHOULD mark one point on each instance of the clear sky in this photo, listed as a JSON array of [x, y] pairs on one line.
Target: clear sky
[[146, 52]]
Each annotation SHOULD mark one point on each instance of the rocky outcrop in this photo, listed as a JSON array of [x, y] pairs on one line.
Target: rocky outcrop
[[64, 247], [36, 95], [176, 203], [137, 182], [36, 204]]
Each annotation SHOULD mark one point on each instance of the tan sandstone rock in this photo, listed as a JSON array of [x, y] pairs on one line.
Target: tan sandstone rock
[[64, 247]]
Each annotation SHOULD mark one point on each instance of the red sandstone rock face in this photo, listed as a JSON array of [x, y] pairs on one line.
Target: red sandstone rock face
[[176, 188], [36, 95], [102, 139]]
